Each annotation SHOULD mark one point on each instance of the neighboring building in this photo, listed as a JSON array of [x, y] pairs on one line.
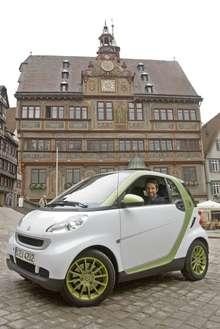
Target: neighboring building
[[11, 120], [11, 126], [101, 112], [211, 143], [8, 156]]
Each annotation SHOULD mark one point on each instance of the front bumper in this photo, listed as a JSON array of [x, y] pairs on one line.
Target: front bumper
[[56, 258], [50, 284]]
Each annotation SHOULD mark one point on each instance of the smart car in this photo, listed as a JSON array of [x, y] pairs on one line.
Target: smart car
[[100, 232]]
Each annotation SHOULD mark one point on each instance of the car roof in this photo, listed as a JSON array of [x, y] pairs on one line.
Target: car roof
[[140, 172]]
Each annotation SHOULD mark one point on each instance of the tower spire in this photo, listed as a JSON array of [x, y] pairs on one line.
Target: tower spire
[[107, 43], [105, 28]]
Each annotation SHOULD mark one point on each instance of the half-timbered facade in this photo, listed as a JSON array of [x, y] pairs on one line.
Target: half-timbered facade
[[8, 156]]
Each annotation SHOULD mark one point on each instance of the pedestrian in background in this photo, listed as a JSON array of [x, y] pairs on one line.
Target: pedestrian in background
[[43, 201]]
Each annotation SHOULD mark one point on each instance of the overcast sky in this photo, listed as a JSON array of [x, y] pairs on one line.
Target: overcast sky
[[144, 29]]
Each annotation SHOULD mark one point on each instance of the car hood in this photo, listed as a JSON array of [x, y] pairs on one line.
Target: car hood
[[36, 222]]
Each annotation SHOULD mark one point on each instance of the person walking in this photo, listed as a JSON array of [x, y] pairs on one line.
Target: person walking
[[43, 201]]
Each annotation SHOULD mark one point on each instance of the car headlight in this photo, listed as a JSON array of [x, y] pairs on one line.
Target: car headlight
[[70, 224]]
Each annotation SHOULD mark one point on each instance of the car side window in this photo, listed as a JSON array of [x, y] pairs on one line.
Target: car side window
[[173, 191], [153, 189]]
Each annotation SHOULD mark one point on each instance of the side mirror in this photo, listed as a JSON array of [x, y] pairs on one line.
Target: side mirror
[[132, 200]]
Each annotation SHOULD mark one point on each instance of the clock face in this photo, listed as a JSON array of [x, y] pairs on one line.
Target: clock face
[[108, 85], [107, 65]]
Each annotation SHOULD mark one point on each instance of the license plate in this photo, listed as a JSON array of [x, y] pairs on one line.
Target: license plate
[[27, 256]]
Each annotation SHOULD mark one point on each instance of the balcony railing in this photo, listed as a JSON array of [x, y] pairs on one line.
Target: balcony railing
[[110, 156], [8, 174], [175, 125], [8, 157]]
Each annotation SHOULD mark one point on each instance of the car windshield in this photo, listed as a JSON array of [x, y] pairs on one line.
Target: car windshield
[[91, 192]]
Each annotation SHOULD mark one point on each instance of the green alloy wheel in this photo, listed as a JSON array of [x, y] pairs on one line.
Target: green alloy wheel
[[89, 279], [196, 264]]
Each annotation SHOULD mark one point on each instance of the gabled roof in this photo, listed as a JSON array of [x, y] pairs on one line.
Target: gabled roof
[[43, 74], [210, 131], [4, 96]]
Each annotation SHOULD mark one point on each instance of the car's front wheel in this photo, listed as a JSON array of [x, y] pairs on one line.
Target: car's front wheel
[[196, 263], [89, 279]]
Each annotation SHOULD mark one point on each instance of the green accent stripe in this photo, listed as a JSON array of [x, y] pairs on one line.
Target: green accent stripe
[[168, 258]]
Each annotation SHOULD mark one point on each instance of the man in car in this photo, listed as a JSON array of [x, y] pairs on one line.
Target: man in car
[[150, 193]]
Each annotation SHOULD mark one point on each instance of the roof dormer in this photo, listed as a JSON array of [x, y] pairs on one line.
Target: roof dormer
[[144, 76], [140, 67]]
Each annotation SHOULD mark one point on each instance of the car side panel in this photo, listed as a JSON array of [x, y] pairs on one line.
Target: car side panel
[[180, 236], [196, 232], [148, 233]]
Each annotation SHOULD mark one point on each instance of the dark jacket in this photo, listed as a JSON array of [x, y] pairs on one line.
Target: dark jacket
[[157, 200]]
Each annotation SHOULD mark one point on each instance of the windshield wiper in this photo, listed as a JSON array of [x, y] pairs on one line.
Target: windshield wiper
[[67, 203]]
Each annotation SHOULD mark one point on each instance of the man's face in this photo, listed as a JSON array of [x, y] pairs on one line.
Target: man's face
[[151, 190]]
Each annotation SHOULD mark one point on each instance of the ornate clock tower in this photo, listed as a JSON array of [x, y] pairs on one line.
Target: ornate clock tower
[[108, 49], [107, 75]]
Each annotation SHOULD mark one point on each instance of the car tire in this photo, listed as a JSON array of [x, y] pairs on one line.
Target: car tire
[[196, 262], [89, 279]]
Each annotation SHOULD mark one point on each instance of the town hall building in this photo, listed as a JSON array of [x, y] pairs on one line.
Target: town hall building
[[88, 115]]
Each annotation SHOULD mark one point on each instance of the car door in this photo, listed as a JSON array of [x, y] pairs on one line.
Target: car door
[[149, 232]]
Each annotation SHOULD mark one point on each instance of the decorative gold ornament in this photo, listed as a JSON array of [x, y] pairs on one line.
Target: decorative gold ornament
[[108, 85], [107, 65], [91, 85]]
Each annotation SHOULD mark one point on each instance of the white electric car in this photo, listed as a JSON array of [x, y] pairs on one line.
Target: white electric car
[[100, 232]]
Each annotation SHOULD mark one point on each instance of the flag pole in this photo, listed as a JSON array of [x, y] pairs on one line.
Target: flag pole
[[57, 159]]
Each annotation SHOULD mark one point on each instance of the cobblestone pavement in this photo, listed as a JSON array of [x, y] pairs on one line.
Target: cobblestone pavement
[[162, 302]]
